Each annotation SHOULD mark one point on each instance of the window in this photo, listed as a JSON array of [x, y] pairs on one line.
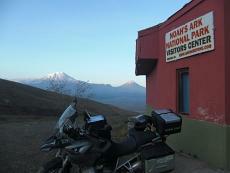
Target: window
[[183, 90]]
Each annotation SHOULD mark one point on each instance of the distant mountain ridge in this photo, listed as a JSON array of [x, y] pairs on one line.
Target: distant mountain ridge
[[129, 96], [20, 99]]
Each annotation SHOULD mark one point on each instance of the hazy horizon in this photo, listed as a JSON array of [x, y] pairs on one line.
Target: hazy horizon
[[89, 41], [88, 81]]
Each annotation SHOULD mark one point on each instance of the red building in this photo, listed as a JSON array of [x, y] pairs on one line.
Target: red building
[[186, 60]]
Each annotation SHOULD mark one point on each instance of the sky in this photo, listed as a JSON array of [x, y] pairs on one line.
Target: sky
[[90, 40]]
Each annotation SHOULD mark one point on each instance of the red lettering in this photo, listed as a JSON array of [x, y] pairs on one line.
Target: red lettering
[[200, 32], [206, 30], [178, 41], [199, 22], [172, 34], [180, 31], [195, 24]]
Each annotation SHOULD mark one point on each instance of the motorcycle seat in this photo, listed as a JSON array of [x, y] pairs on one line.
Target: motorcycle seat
[[125, 147], [134, 140], [141, 137]]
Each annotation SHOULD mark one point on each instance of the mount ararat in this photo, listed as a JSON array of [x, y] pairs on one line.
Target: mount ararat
[[129, 96]]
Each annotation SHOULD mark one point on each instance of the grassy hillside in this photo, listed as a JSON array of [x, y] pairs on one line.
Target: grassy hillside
[[28, 116], [16, 98]]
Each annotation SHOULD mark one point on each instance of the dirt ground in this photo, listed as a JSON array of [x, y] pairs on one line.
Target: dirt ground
[[21, 137], [187, 164]]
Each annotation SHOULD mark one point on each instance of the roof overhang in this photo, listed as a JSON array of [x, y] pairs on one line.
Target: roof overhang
[[145, 66]]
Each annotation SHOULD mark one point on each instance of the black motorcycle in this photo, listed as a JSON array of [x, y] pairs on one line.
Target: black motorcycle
[[89, 149]]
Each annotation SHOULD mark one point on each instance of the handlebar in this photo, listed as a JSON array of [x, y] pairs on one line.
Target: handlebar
[[86, 115]]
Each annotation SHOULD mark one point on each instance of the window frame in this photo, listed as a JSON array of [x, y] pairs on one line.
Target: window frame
[[179, 73]]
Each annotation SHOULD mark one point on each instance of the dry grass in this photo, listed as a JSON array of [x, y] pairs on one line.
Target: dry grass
[[20, 141], [22, 133], [21, 137]]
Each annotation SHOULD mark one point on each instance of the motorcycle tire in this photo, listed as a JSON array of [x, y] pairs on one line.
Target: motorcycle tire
[[52, 166]]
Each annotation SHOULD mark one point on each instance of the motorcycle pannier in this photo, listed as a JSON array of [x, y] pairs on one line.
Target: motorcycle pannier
[[158, 158], [166, 121]]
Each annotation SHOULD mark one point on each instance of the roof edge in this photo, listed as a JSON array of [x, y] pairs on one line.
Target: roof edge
[[187, 7], [149, 30]]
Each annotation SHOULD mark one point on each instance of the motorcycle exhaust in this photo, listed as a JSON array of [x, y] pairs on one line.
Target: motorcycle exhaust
[[136, 166]]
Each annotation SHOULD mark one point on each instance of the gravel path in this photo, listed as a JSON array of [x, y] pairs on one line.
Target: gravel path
[[187, 164]]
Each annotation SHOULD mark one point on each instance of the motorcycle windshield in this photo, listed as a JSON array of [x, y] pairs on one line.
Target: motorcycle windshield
[[65, 117]]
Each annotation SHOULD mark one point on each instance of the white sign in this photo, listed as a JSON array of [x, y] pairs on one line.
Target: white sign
[[192, 38]]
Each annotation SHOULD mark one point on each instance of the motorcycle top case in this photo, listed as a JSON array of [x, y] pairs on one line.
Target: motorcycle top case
[[166, 121]]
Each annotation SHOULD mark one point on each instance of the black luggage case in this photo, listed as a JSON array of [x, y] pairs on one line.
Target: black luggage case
[[158, 158], [166, 121]]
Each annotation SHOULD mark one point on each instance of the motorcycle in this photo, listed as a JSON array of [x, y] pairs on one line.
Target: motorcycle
[[90, 149]]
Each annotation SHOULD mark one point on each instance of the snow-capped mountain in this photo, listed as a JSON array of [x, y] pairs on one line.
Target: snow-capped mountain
[[60, 76], [45, 81], [133, 86], [130, 95]]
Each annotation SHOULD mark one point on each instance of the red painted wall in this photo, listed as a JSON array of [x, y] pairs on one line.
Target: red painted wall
[[227, 63], [146, 41], [206, 70]]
